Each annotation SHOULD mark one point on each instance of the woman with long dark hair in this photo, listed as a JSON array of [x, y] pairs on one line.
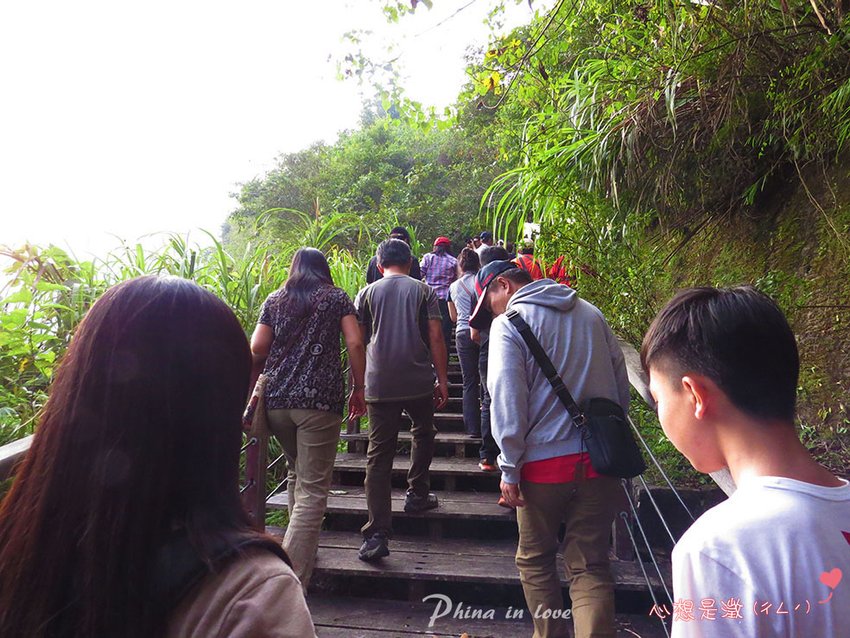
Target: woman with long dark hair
[[125, 519], [296, 341]]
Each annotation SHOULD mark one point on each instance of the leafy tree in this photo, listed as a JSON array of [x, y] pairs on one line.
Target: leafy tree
[[430, 178]]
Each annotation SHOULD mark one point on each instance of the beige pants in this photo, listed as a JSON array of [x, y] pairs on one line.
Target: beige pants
[[587, 508], [309, 439]]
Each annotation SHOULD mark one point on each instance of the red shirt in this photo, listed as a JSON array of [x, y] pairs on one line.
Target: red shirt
[[560, 469], [530, 265]]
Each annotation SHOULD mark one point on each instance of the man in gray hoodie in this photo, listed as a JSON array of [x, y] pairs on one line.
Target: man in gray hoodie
[[546, 472]]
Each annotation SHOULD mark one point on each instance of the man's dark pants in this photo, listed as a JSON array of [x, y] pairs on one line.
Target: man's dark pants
[[447, 324], [384, 425], [468, 353]]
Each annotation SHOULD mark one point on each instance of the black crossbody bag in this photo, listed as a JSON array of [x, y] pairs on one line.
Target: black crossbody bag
[[604, 428]]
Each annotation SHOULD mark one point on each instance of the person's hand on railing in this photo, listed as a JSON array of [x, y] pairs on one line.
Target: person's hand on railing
[[357, 403]]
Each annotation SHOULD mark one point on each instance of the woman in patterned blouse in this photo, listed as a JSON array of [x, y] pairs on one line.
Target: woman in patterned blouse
[[296, 342]]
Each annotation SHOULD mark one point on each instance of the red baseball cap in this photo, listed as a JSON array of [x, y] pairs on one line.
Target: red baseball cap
[[442, 240]]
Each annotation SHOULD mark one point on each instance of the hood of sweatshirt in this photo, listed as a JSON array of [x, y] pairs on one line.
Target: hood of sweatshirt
[[547, 293]]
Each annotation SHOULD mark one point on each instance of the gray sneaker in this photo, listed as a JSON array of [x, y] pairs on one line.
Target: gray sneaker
[[414, 504], [374, 547]]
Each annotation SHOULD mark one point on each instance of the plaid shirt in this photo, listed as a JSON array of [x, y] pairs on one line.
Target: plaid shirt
[[439, 271]]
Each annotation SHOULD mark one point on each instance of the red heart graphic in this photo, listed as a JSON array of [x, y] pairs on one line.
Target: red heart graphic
[[831, 578]]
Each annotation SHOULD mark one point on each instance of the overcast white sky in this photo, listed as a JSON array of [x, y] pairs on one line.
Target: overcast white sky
[[135, 118]]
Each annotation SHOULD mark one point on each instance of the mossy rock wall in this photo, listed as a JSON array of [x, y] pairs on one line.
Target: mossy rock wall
[[794, 244]]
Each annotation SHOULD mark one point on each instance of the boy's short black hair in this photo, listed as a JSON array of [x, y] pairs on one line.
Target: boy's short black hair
[[737, 337], [393, 252]]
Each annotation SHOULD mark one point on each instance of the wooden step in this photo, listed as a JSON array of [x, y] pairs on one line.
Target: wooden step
[[346, 461], [449, 473], [349, 617], [445, 420], [449, 443], [335, 616], [445, 417], [469, 505], [405, 435], [453, 560]]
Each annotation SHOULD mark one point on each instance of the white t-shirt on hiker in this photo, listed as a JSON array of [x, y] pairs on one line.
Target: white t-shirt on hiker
[[771, 561]]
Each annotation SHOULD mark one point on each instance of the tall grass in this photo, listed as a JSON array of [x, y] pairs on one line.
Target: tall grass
[[45, 293]]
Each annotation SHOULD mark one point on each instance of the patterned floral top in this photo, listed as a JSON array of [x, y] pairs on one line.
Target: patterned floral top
[[309, 375]]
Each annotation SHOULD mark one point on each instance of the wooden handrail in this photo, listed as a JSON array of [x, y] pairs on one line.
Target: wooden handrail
[[11, 454], [640, 382]]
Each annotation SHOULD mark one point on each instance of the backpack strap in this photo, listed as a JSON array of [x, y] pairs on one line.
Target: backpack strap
[[523, 265], [464, 286], [547, 367]]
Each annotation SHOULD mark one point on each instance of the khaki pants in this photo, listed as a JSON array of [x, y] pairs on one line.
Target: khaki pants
[[384, 425], [309, 439], [587, 507]]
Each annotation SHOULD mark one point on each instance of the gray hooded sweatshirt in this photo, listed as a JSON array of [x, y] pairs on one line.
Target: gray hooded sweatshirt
[[583, 350]]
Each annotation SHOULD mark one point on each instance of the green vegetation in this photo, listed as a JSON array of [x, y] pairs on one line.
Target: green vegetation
[[672, 143], [391, 171], [48, 293], [658, 143]]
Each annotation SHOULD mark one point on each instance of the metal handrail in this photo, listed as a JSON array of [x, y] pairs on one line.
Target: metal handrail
[[658, 467], [646, 541], [657, 509], [625, 517], [275, 490], [251, 441], [275, 462]]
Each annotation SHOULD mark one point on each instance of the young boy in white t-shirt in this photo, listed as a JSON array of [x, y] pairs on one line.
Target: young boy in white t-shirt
[[774, 559]]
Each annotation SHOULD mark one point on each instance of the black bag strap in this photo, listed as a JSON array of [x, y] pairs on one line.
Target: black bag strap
[[547, 367]]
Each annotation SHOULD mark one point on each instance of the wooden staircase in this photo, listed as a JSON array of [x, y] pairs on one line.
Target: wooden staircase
[[463, 550]]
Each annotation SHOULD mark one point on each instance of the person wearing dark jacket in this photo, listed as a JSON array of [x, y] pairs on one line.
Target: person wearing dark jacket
[[373, 273]]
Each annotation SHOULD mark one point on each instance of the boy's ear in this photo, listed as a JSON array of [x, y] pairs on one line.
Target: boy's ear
[[380, 269], [699, 394]]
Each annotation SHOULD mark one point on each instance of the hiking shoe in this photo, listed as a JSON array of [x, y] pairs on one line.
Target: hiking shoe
[[374, 547], [414, 503], [487, 466]]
